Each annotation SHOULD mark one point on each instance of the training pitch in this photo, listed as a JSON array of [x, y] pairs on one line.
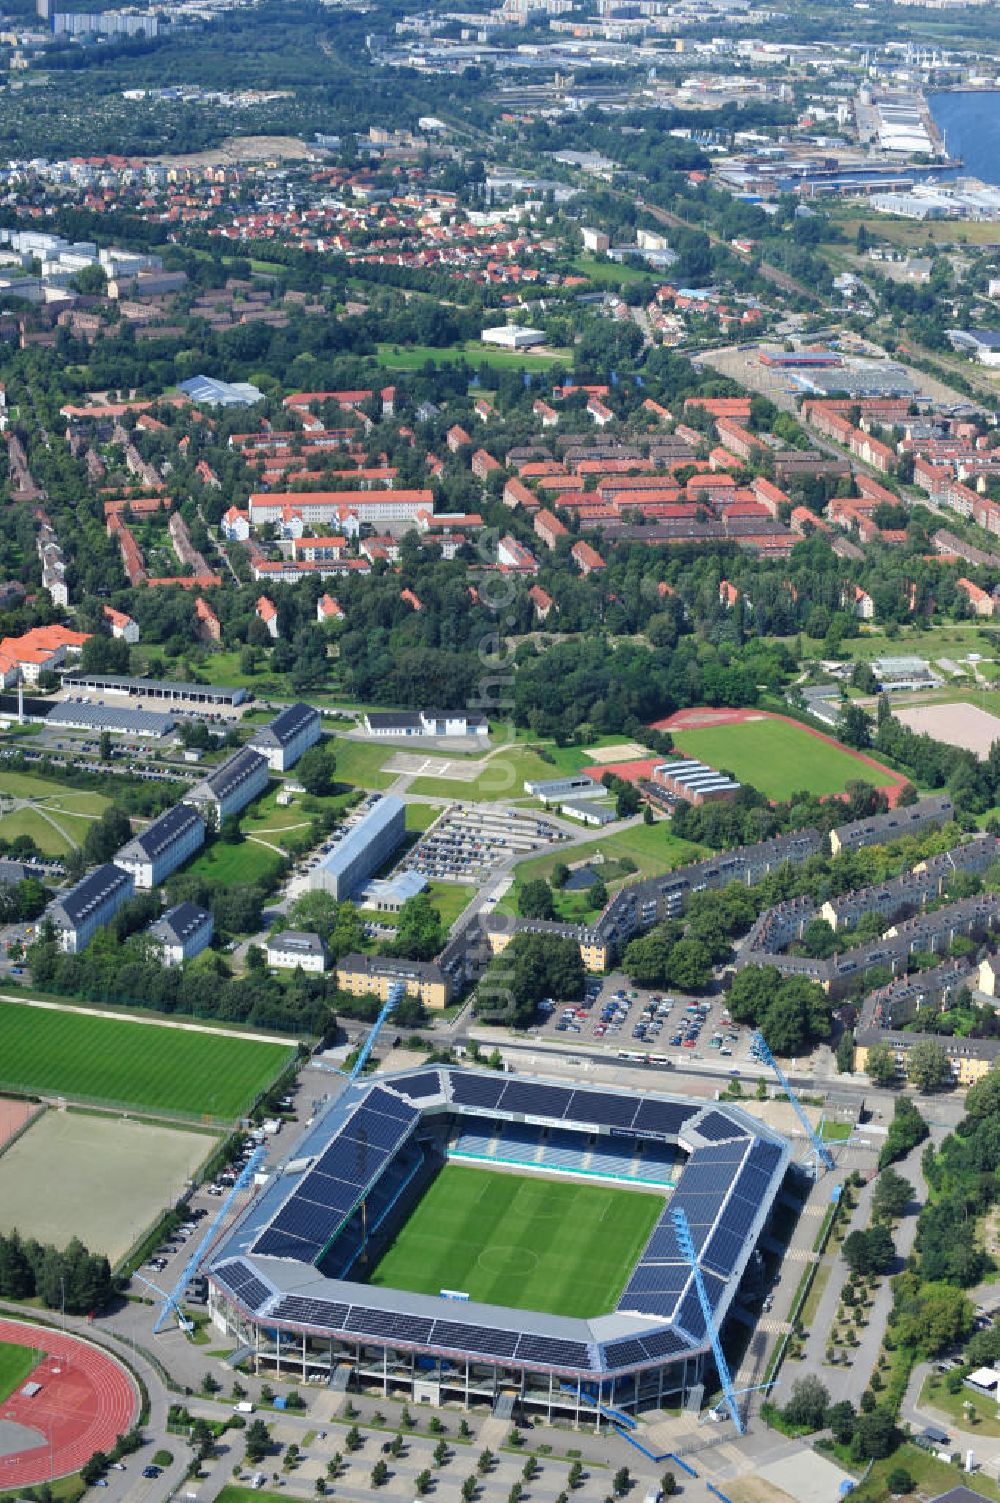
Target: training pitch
[[90, 1056], [105, 1178], [779, 757], [532, 1244], [962, 724]]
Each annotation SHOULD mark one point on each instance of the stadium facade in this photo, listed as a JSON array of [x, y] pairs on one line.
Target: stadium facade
[[287, 1282]]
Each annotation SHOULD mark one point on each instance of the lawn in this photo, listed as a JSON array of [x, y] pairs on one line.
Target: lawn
[[449, 898], [653, 848], [610, 274], [94, 1057], [52, 793], [16, 1362], [934, 1395], [413, 357], [237, 865], [509, 1239], [420, 817], [45, 835], [930, 1476], [360, 762], [777, 757]]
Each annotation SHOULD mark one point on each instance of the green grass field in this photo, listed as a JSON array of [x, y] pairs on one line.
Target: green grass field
[[144, 1066], [16, 1362], [360, 763], [413, 357], [237, 865], [776, 757], [533, 1244]]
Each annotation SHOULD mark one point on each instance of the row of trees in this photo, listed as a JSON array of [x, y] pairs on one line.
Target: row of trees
[[73, 1277]]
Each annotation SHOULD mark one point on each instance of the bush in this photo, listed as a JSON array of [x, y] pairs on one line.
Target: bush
[[899, 1481]]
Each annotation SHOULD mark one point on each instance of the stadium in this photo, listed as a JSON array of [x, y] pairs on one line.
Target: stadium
[[450, 1235]]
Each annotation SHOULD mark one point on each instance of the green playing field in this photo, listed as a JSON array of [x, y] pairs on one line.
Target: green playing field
[[91, 1057], [508, 1239], [16, 1362]]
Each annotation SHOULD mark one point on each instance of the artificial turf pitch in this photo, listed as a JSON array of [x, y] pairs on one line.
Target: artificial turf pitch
[[16, 1364], [143, 1066], [534, 1244]]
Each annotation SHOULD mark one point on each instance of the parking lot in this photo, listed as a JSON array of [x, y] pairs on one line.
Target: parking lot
[[657, 1027], [470, 844]]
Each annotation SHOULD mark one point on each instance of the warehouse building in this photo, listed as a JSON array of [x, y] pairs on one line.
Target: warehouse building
[[288, 735], [92, 902], [363, 849], [228, 789], [163, 846]]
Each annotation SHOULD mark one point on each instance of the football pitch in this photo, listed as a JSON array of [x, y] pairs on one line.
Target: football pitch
[[508, 1239], [143, 1066], [779, 758]]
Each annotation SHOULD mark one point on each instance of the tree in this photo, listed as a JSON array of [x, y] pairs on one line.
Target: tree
[[840, 1418], [485, 1462], [845, 1052], [440, 1453], [353, 1439], [257, 1441], [470, 1488], [315, 769], [104, 746], [807, 1403], [931, 1317], [575, 1476], [854, 727], [870, 1252], [419, 933], [906, 1130], [927, 1066], [380, 1474], [899, 1481], [422, 1482], [668, 1485], [880, 1065], [875, 1435], [891, 1195], [690, 966], [622, 1482], [534, 900]]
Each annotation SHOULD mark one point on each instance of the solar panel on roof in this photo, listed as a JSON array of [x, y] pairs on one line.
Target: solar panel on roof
[[322, 1313], [475, 1090], [244, 1283], [664, 1343], [765, 1156], [660, 1278], [720, 1153], [667, 1117], [382, 1101], [461, 1337], [662, 1244], [534, 1100], [689, 1315], [367, 1126], [601, 1107], [724, 1249], [349, 1159], [427, 1083], [624, 1353], [715, 1126], [654, 1303], [277, 1244], [389, 1325], [552, 1352], [324, 1190]]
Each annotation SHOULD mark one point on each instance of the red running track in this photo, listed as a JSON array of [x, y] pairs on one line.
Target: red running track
[[87, 1400]]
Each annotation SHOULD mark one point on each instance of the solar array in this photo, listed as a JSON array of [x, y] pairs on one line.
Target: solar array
[[362, 1147], [590, 1108], [363, 1321], [723, 1188]]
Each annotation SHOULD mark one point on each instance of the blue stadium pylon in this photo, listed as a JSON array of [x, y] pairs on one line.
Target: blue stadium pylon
[[760, 1050], [171, 1301], [684, 1241], [396, 994]]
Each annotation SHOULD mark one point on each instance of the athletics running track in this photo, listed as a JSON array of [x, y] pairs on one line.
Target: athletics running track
[[890, 783], [87, 1400]]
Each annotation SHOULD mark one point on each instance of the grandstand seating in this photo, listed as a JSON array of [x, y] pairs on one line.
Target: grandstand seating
[[383, 1197], [557, 1148]]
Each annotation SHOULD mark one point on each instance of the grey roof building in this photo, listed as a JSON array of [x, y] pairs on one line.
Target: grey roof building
[[232, 785], [94, 900], [938, 809], [283, 740], [183, 932], [163, 846]]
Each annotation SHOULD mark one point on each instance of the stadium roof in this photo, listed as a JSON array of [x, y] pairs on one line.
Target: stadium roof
[[728, 1185]]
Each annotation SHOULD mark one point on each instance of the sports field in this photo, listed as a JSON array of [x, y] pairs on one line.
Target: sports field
[[144, 1066], [106, 1178], [778, 757], [509, 1239], [16, 1363]]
